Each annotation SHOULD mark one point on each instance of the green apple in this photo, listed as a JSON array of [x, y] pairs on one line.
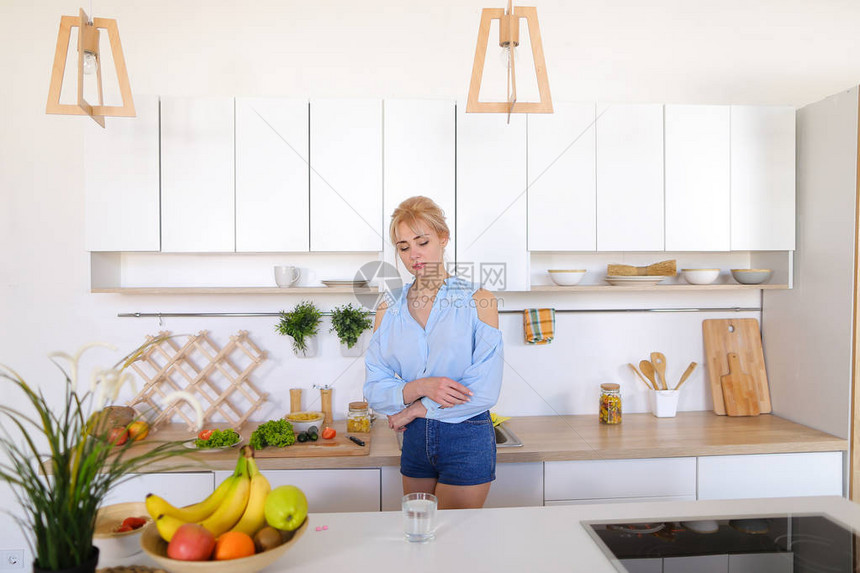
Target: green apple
[[286, 507]]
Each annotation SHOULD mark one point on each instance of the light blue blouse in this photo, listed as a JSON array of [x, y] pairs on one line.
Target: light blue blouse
[[455, 343]]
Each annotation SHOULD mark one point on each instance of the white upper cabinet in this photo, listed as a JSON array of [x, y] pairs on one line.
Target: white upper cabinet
[[562, 191], [121, 170], [630, 178], [197, 180], [272, 175], [763, 178], [491, 200], [697, 178], [346, 175], [420, 159]]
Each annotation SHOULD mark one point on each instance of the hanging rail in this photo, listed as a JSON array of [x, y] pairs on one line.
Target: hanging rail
[[326, 313]]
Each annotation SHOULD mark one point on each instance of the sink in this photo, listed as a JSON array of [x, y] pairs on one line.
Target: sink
[[505, 438]]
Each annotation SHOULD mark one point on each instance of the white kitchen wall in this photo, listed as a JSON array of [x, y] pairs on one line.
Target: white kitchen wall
[[670, 51], [812, 323]]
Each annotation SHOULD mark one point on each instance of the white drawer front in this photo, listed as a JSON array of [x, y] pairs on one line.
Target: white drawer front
[[591, 479], [770, 475], [330, 491]]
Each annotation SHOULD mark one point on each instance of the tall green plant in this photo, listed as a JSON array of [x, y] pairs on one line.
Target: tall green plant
[[60, 490], [301, 323], [349, 322]]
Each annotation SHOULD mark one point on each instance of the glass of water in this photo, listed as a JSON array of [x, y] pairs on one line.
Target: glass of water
[[419, 516]]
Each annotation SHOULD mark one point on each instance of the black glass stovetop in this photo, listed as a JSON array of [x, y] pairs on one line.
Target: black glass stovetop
[[760, 544]]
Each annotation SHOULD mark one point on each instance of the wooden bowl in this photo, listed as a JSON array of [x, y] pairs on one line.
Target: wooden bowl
[[154, 546], [113, 545]]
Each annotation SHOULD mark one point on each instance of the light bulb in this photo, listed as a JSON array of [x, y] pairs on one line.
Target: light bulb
[[505, 54], [91, 64]]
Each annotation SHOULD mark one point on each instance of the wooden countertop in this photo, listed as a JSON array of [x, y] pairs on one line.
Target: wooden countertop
[[558, 438]]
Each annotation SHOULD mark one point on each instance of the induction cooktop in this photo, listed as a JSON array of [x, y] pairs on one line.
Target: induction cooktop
[[752, 544]]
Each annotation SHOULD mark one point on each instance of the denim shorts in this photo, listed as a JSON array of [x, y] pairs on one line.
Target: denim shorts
[[453, 454]]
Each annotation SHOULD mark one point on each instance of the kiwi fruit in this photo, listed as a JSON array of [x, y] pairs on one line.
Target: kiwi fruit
[[267, 538]]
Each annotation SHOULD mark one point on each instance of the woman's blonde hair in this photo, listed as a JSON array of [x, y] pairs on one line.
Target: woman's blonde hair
[[416, 209]]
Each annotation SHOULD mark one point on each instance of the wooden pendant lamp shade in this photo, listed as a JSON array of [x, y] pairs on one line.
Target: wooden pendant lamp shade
[[88, 43], [509, 32]]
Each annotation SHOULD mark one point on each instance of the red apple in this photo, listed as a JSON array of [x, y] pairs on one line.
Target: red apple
[[118, 436], [191, 542]]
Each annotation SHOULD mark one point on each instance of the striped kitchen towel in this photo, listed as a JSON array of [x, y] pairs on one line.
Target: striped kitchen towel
[[539, 325]]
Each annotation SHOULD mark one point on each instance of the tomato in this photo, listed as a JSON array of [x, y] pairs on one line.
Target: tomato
[[133, 522], [329, 433], [124, 528], [205, 434]]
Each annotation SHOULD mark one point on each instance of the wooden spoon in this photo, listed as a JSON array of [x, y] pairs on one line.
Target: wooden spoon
[[686, 374], [639, 374], [659, 362], [648, 370]]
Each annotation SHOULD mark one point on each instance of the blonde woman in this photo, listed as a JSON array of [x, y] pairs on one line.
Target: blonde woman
[[434, 365]]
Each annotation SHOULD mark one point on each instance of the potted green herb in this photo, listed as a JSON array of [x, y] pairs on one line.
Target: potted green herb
[[352, 325], [60, 490], [301, 324]]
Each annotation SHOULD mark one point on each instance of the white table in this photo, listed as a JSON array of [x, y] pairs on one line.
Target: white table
[[506, 539]]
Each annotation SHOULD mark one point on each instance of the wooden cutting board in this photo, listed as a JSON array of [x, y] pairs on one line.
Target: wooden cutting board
[[340, 445], [739, 395], [740, 336]]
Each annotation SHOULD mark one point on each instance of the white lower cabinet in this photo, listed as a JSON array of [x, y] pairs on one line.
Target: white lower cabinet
[[329, 491], [697, 563], [737, 563], [177, 488], [652, 565], [770, 475], [619, 480], [516, 485], [761, 563]]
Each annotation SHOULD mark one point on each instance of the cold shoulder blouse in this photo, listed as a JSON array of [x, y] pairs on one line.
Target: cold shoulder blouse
[[455, 343]]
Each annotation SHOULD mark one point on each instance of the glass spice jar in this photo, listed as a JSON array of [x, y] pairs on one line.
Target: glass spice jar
[[610, 403], [358, 419]]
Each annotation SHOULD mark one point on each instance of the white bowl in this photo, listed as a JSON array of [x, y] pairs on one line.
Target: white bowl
[[302, 426], [700, 276], [113, 545], [566, 277], [751, 276]]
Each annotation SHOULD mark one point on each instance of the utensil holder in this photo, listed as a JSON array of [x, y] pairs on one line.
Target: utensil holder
[[664, 403]]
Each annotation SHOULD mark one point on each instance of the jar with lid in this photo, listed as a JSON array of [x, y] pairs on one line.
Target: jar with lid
[[610, 403], [358, 419]]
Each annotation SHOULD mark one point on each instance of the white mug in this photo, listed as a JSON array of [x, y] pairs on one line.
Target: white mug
[[287, 276]]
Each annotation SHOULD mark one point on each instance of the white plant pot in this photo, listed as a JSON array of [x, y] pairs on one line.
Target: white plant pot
[[310, 348], [359, 347]]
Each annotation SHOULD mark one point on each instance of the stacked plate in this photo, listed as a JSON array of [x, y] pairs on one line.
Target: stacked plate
[[357, 284], [616, 280]]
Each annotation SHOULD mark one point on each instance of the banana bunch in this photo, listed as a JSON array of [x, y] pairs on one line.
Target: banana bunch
[[238, 504]]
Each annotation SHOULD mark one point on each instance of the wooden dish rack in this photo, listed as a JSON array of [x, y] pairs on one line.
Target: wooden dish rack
[[218, 377]]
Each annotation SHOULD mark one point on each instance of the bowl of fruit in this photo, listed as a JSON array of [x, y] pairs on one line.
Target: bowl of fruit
[[118, 529], [242, 527]]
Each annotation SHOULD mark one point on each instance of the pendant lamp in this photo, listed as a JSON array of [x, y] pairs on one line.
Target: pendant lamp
[[89, 62], [509, 40]]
